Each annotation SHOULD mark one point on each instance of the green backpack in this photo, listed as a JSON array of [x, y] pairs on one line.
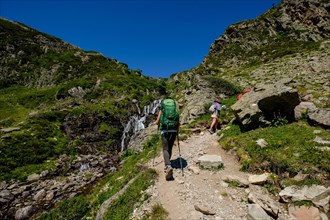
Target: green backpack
[[169, 119]]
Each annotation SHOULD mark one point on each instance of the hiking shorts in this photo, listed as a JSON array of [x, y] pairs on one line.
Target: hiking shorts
[[214, 115]]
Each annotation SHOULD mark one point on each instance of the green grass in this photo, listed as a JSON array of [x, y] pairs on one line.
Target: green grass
[[124, 206], [69, 209], [26, 151], [221, 86], [290, 149], [17, 102]]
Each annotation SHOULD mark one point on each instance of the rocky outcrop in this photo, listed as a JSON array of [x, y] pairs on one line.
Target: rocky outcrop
[[319, 195], [291, 20], [195, 97], [266, 103], [86, 127], [21, 200]]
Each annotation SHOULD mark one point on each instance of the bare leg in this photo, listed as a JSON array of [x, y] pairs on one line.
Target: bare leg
[[214, 123]]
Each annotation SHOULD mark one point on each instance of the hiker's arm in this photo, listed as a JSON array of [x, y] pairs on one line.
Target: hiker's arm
[[158, 118]]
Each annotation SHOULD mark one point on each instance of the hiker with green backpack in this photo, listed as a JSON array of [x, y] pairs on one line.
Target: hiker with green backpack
[[168, 124]]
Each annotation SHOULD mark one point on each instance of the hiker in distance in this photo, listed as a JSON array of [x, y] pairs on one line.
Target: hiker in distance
[[168, 124], [215, 109]]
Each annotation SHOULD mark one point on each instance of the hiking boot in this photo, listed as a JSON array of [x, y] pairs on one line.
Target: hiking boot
[[169, 173], [211, 131]]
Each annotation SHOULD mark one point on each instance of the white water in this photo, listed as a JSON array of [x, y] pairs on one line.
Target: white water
[[136, 123], [84, 166]]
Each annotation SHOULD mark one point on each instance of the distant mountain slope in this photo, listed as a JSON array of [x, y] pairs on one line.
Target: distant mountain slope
[[292, 26], [35, 59]]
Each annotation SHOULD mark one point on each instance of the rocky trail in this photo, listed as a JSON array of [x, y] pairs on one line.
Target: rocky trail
[[198, 193]]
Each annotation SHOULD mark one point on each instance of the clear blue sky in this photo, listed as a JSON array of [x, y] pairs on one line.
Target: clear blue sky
[[160, 37]]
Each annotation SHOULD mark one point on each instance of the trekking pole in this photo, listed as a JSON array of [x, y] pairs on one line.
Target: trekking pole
[[155, 150], [180, 153]]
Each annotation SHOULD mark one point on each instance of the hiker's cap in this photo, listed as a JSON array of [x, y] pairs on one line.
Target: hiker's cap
[[217, 100]]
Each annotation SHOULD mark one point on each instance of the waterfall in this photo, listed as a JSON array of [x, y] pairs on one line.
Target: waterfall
[[84, 166], [137, 122]]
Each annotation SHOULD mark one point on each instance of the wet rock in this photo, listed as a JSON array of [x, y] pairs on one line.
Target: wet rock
[[24, 213], [3, 185], [6, 195], [33, 177], [40, 195], [49, 196]]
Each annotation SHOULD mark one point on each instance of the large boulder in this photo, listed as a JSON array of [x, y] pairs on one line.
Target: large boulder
[[259, 107]]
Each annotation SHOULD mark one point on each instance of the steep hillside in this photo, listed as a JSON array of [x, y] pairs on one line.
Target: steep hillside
[[56, 98]]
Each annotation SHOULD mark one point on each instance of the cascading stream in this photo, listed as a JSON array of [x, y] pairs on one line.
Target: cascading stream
[[136, 123]]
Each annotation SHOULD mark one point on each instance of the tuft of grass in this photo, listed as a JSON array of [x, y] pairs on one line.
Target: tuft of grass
[[157, 212], [303, 203], [233, 183]]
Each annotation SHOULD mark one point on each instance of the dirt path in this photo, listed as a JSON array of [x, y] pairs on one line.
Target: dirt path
[[202, 188]]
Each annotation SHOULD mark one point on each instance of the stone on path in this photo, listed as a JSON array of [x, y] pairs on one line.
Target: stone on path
[[211, 162], [204, 210], [241, 181], [255, 212], [258, 179], [194, 169]]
